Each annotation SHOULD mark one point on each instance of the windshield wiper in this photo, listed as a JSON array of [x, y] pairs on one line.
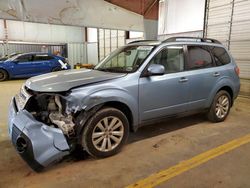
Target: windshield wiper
[[113, 69]]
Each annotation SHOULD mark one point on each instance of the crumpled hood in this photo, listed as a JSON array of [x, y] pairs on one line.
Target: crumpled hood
[[65, 80]]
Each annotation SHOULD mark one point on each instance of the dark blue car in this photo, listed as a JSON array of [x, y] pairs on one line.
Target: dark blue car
[[31, 64]]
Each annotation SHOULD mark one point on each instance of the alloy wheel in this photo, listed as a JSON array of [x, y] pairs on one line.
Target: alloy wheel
[[107, 133], [222, 106]]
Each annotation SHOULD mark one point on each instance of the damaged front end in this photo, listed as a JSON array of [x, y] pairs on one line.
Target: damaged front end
[[41, 128]]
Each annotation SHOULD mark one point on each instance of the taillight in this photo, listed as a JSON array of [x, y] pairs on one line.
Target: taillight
[[237, 70]]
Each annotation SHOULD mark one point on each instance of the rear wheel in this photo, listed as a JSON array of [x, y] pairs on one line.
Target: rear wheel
[[3, 75], [220, 107], [105, 133]]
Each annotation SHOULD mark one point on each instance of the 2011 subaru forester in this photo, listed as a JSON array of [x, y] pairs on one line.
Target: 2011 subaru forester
[[136, 85]]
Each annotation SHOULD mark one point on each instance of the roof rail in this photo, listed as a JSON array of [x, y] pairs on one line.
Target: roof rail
[[181, 39], [141, 41]]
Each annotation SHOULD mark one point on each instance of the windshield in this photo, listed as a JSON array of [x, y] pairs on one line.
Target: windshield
[[126, 59]]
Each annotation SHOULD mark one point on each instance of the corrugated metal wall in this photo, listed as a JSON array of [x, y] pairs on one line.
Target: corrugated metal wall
[[19, 48], [109, 40], [229, 22], [77, 53], [36, 37], [9, 48]]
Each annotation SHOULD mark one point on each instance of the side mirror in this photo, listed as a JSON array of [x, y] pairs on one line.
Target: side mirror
[[155, 69]]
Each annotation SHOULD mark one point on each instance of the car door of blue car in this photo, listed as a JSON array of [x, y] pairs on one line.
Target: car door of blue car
[[42, 63], [164, 95], [22, 66]]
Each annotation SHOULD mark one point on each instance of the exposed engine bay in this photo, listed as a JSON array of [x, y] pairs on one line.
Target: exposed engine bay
[[50, 109], [64, 122]]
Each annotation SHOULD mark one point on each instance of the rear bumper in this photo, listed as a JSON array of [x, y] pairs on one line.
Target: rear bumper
[[38, 144]]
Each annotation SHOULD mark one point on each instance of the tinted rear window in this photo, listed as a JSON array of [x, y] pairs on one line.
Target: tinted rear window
[[221, 56], [42, 57], [199, 57]]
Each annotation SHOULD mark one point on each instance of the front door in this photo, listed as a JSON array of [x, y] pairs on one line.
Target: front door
[[164, 95], [22, 66]]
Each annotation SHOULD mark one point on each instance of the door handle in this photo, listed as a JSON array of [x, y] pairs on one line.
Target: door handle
[[216, 74], [183, 79]]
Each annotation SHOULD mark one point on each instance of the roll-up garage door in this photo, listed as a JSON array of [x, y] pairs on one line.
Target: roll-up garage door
[[229, 22]]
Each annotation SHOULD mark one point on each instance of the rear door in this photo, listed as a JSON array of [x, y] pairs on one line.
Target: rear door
[[164, 95], [202, 75], [42, 63]]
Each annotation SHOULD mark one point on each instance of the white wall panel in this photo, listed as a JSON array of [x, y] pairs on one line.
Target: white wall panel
[[92, 34], [36, 32], [92, 51], [180, 16]]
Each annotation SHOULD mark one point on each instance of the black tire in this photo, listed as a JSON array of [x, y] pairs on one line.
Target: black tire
[[92, 127], [3, 75], [56, 69], [217, 117]]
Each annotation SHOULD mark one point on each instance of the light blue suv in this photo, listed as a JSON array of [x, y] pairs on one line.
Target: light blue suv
[[138, 84]]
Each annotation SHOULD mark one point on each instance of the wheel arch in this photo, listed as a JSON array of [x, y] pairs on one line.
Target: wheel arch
[[84, 116], [8, 74], [123, 108], [229, 90], [223, 84]]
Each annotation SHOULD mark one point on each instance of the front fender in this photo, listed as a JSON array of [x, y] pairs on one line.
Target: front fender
[[85, 101]]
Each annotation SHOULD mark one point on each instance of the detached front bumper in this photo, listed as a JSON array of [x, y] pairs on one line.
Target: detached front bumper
[[38, 144]]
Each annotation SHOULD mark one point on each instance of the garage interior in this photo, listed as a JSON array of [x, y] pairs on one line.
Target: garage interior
[[85, 32]]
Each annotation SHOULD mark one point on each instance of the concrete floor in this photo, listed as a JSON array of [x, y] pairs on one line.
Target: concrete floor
[[151, 149]]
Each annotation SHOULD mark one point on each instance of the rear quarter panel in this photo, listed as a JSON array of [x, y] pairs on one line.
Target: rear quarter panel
[[228, 78]]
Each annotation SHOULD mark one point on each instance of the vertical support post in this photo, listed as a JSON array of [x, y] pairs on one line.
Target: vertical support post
[[6, 38], [230, 26], [205, 23], [85, 43], [104, 42], [98, 44]]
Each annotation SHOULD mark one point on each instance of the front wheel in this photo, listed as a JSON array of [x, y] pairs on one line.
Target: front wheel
[[3, 75], [105, 133], [220, 107]]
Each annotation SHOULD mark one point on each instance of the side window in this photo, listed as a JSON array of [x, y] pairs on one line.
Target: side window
[[24, 58], [42, 57], [221, 56], [199, 57], [172, 58]]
